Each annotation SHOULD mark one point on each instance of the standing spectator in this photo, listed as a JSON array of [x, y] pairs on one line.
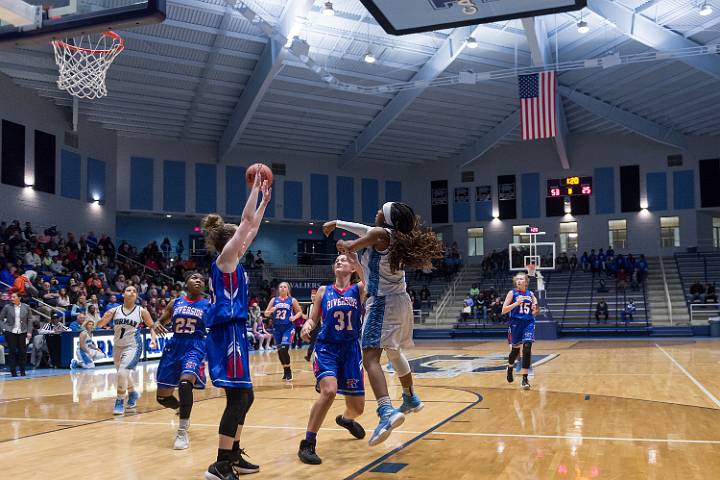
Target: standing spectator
[[40, 346], [259, 262], [414, 298], [642, 269], [425, 296], [628, 311], [621, 279], [573, 263], [166, 246], [179, 248], [15, 320], [249, 260], [601, 310]]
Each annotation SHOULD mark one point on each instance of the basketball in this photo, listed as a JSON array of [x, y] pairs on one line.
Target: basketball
[[254, 168]]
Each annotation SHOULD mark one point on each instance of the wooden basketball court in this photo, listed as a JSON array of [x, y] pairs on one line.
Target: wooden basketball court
[[630, 409]]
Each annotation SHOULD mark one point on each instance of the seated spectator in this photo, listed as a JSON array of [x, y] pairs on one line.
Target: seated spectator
[[481, 304], [621, 279], [425, 296], [468, 305], [93, 313], [33, 260], [414, 299], [628, 311], [63, 300], [249, 260], [79, 308], [49, 295], [573, 263], [77, 323], [474, 291], [601, 310], [7, 276], [697, 293], [710, 295]]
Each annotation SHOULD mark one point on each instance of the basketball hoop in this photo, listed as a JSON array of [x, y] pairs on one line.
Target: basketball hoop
[[531, 268], [84, 62]]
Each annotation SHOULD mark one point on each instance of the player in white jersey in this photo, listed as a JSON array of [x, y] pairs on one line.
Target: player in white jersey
[[397, 241], [87, 351], [127, 344]]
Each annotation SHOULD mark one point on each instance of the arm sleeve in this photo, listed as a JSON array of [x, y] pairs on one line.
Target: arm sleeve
[[357, 228]]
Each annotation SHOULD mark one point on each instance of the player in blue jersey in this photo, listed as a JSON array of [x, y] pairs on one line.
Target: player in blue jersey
[[283, 310], [227, 348], [338, 358], [182, 365], [521, 304], [396, 242]]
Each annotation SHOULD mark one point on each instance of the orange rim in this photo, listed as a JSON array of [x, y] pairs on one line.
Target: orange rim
[[113, 35]]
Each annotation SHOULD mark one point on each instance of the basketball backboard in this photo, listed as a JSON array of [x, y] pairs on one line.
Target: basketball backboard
[[401, 17], [60, 19]]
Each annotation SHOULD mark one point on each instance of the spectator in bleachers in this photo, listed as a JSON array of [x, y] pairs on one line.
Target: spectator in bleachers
[[602, 258], [425, 297], [585, 262], [79, 308], [642, 269], [63, 300], [601, 310], [166, 247], [621, 279], [563, 264], [602, 287], [710, 295], [495, 310], [697, 293], [414, 298], [610, 252], [474, 291], [481, 304], [573, 263], [595, 263], [93, 313], [259, 262], [467, 309], [628, 312], [7, 276]]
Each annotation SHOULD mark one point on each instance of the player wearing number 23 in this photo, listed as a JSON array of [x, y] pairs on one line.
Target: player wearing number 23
[[184, 353]]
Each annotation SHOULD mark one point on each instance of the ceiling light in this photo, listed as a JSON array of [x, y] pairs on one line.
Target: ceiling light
[[705, 9], [471, 42], [328, 9], [582, 27], [369, 58], [168, 216]]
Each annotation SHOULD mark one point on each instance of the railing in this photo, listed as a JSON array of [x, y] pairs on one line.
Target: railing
[[296, 272], [591, 310], [703, 311], [567, 294], [145, 267], [667, 290], [449, 294]]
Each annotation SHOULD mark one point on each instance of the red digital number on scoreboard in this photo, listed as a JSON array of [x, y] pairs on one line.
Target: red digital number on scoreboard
[[586, 189], [555, 192]]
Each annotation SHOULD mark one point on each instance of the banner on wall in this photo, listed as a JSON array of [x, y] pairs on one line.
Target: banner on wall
[[506, 191], [439, 201], [483, 193], [462, 195]]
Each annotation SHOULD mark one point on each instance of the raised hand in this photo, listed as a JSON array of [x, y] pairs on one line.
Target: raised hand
[[328, 227], [266, 192], [341, 246]]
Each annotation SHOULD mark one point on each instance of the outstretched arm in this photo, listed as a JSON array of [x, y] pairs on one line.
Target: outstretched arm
[[106, 318], [376, 237], [357, 228], [247, 230], [355, 262]]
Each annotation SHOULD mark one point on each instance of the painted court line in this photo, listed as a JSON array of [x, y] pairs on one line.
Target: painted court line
[[32, 419], [707, 393], [580, 437]]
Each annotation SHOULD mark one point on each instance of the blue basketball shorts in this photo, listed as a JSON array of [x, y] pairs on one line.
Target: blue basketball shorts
[[342, 360], [521, 331], [283, 333], [227, 354], [183, 354]]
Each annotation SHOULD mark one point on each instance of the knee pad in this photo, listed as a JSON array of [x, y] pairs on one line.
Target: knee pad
[[514, 354], [526, 354], [185, 391], [169, 402], [399, 362]]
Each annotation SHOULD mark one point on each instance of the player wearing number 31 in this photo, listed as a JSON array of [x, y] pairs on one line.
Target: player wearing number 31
[[127, 344], [522, 306], [338, 358], [182, 365]]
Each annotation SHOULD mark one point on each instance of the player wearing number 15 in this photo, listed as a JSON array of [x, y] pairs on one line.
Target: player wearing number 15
[[182, 364], [338, 357], [521, 304]]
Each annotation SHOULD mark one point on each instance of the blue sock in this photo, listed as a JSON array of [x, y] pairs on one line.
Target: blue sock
[[311, 436]]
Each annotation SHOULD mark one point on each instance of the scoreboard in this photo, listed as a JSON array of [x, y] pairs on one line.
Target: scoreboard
[[569, 186]]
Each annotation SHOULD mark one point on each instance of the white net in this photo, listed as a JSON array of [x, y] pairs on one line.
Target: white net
[[83, 63]]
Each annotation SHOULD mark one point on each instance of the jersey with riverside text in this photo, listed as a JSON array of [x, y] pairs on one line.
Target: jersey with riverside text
[[228, 296], [341, 314], [188, 318], [524, 310], [283, 311]]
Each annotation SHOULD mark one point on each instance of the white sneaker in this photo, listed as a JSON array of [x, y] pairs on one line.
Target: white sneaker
[[262, 349], [182, 441]]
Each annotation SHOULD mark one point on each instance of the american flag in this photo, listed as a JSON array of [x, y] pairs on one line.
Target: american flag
[[538, 105]]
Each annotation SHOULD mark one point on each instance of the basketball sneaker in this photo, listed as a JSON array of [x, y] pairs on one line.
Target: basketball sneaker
[[287, 375], [119, 408], [411, 403], [73, 364], [355, 429], [182, 440], [242, 466], [132, 399], [390, 418], [510, 376], [525, 384], [306, 453], [220, 471]]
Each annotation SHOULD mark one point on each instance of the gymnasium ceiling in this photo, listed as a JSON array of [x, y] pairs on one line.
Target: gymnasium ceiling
[[189, 78]]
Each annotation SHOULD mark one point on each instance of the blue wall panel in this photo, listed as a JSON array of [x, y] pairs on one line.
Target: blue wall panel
[[393, 191], [657, 196], [461, 212], [370, 199], [141, 183], [95, 179], [174, 186], [604, 190], [530, 195], [345, 198], [205, 188], [483, 211], [319, 197], [235, 190], [293, 194], [70, 176], [684, 189]]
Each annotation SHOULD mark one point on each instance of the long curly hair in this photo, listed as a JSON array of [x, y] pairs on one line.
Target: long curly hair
[[217, 232], [412, 244]]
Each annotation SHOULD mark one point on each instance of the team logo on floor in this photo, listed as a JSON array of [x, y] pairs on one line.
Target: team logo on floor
[[447, 366]]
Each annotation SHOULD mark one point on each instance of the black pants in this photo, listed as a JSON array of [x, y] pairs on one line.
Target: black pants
[[17, 349], [297, 339], [599, 314], [313, 339]]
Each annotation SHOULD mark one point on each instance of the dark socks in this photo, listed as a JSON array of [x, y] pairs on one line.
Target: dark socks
[[287, 371], [224, 455], [311, 437]]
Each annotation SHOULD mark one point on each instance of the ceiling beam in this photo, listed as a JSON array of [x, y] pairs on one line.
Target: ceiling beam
[[268, 66], [541, 56], [647, 32], [631, 121], [443, 57], [487, 141]]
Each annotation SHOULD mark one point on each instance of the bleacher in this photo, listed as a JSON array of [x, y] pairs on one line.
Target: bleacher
[[703, 267]]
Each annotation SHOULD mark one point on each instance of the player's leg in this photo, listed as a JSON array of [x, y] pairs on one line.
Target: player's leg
[[283, 339], [168, 378], [130, 359], [528, 338], [193, 376], [327, 385], [122, 375], [352, 385], [514, 339], [411, 402]]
